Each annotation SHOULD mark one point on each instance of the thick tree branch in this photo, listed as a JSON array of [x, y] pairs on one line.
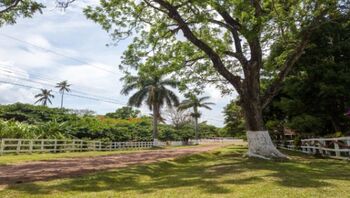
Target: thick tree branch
[[234, 26], [215, 58], [13, 4], [276, 86]]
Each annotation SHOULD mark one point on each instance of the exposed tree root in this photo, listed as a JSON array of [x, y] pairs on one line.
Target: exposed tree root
[[260, 146]]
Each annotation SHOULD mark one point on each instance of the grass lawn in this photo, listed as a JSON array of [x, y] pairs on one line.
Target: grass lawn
[[223, 173], [21, 158], [8, 159]]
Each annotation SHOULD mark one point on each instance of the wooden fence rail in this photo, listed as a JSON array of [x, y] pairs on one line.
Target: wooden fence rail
[[338, 148]]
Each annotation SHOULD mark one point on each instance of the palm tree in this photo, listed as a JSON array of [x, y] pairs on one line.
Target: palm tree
[[153, 91], [195, 103], [63, 87], [44, 97]]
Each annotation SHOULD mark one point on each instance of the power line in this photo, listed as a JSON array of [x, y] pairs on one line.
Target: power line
[[75, 95], [45, 83], [58, 53], [36, 75]]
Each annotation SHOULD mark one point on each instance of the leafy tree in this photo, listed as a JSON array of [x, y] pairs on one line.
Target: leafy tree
[[234, 119], [317, 93], [63, 87], [10, 10], [222, 42], [193, 102], [44, 97], [151, 89], [124, 113], [32, 114]]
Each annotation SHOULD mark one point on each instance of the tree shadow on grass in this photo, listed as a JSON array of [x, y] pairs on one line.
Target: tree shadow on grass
[[210, 173]]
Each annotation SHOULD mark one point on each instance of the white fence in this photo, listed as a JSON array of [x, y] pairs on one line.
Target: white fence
[[338, 148], [54, 145], [9, 145]]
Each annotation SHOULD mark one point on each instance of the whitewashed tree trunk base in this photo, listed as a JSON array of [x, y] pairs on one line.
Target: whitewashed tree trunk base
[[260, 145], [155, 142]]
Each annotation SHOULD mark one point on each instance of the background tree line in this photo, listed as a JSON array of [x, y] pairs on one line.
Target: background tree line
[[29, 121]]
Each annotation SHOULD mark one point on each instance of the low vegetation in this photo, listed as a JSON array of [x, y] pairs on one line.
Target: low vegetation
[[223, 173], [29, 121]]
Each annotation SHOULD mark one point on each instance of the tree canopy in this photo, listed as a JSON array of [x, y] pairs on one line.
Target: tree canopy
[[316, 95], [124, 113]]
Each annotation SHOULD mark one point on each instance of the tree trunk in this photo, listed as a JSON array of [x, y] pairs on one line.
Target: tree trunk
[[259, 141], [62, 100], [155, 125], [196, 115], [196, 129]]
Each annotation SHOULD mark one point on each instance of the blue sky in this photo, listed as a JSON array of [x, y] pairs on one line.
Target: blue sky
[[84, 60]]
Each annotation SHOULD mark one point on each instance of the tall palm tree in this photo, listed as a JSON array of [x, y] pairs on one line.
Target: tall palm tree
[[44, 97], [195, 103], [153, 91], [63, 87]]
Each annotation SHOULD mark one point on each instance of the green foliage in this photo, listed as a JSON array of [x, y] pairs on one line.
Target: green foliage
[[316, 95], [10, 10], [124, 113], [29, 121], [234, 120], [154, 29], [32, 114]]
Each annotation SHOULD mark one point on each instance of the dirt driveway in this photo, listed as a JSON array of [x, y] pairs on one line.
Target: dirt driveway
[[69, 167]]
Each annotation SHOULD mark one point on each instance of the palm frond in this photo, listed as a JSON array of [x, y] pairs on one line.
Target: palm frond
[[203, 99], [137, 98]]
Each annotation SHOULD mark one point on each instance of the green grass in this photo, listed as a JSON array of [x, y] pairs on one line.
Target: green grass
[[8, 159], [223, 173], [21, 158]]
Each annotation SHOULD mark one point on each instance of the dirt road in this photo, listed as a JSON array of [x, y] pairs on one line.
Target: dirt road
[[70, 167]]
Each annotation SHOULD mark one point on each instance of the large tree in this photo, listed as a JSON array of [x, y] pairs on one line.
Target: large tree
[[152, 89], [316, 94], [222, 42]]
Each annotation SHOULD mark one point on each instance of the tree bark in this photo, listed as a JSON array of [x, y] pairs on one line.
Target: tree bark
[[196, 129], [62, 100], [196, 115], [259, 141]]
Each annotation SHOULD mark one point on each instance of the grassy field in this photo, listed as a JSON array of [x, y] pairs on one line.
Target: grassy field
[[224, 173], [9, 159], [21, 158]]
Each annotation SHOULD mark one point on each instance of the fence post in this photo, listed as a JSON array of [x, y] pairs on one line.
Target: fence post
[[336, 147], [81, 145], [42, 146], [100, 146], [55, 146], [19, 142], [2, 146], [30, 146]]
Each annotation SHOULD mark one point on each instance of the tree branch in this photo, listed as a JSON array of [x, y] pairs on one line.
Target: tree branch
[[276, 86], [215, 58], [13, 4]]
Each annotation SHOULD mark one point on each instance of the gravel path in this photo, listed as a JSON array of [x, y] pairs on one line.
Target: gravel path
[[70, 167]]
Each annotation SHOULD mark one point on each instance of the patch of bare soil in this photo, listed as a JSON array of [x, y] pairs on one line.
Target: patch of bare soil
[[72, 167]]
